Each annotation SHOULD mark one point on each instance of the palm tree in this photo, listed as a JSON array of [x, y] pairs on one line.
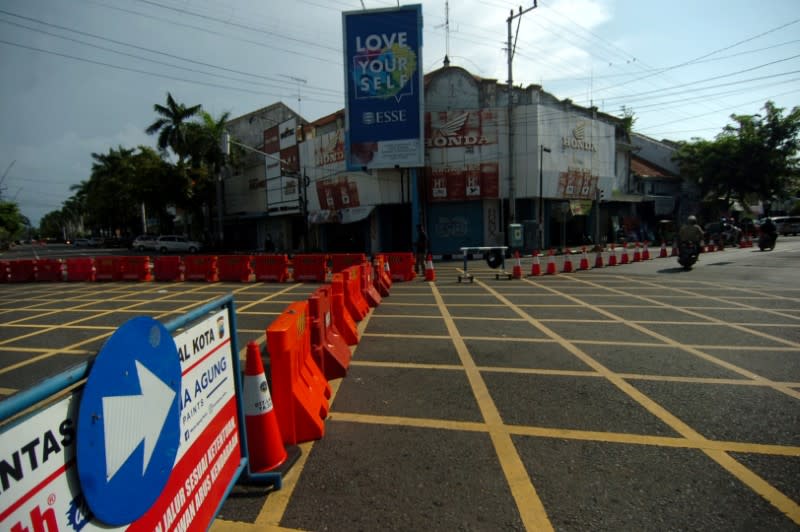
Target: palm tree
[[172, 126], [207, 158]]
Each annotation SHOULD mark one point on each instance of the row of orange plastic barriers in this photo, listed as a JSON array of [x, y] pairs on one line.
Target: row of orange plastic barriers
[[314, 267], [308, 345]]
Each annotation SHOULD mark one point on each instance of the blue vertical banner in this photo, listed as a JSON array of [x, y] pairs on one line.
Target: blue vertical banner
[[384, 88]]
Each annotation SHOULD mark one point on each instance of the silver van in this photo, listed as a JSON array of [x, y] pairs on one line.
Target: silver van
[[787, 225]]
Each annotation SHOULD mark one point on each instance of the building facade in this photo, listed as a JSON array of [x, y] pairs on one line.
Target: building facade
[[567, 178]]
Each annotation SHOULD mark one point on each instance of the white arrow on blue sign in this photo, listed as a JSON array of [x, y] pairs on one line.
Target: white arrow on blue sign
[[129, 422]]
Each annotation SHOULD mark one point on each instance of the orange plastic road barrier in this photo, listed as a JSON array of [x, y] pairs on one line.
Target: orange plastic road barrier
[[340, 261], [342, 319], [264, 442], [368, 291], [310, 267], [272, 268], [536, 266], [328, 347], [353, 300], [201, 268], [22, 271], [50, 270], [108, 268], [168, 268], [380, 276], [300, 390], [233, 268], [402, 266], [136, 269], [80, 269]]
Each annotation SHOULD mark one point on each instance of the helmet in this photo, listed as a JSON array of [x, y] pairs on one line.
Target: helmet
[[692, 219]]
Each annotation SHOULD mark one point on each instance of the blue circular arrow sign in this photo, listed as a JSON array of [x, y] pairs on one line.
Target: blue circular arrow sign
[[129, 421]]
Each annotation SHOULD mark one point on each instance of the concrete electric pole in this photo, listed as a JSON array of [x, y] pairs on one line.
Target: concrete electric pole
[[512, 192]]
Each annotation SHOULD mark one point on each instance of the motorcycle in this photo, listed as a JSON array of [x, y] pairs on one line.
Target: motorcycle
[[687, 254], [766, 241]]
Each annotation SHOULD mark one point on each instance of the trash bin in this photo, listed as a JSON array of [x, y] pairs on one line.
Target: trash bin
[[530, 230], [516, 239]]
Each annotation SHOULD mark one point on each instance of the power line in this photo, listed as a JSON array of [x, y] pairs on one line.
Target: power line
[[148, 73], [212, 32], [137, 47], [155, 61]]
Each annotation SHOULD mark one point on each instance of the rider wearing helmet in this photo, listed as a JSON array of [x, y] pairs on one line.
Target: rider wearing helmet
[[691, 231]]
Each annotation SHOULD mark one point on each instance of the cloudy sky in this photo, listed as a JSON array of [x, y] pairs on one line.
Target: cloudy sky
[[81, 76]]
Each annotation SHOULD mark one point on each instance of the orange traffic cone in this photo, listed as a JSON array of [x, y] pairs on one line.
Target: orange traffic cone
[[567, 262], [584, 264], [264, 442], [674, 249], [536, 267], [430, 274], [612, 257], [516, 272], [637, 256], [598, 261], [646, 251], [551, 263], [663, 253], [624, 258]]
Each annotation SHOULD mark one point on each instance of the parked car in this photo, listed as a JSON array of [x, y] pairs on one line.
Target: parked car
[[176, 243], [81, 242], [787, 225], [144, 242]]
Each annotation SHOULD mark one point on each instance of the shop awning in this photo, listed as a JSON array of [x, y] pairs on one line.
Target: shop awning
[[341, 216], [625, 198], [356, 214]]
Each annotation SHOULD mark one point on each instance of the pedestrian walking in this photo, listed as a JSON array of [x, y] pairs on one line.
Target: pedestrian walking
[[422, 249]]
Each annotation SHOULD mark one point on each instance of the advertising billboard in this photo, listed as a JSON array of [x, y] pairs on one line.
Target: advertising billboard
[[383, 87]]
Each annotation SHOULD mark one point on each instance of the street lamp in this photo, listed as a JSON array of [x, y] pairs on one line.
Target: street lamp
[[542, 149]]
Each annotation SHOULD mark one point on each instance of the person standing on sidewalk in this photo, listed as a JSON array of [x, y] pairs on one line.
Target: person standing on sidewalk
[[422, 249]]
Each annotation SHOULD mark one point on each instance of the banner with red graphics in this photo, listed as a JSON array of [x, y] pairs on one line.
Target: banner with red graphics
[[462, 152]]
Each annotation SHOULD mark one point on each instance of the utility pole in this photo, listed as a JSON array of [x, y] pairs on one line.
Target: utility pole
[[512, 193]]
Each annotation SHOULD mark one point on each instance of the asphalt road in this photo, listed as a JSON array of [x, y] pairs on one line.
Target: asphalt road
[[639, 397]]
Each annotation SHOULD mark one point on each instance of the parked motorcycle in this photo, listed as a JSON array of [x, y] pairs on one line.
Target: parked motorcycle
[[766, 241], [688, 252]]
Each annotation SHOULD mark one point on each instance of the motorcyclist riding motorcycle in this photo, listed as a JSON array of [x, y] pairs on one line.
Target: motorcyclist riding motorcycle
[[689, 238], [768, 236]]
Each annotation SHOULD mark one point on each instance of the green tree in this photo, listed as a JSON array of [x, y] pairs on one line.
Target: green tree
[[756, 158], [12, 222], [207, 160], [110, 201]]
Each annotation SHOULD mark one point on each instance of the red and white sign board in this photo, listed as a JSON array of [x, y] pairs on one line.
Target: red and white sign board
[[39, 488]]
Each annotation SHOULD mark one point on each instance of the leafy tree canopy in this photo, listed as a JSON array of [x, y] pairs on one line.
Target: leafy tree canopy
[[755, 158]]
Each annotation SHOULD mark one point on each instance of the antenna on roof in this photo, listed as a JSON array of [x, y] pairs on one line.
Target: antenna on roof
[[446, 27], [299, 81]]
